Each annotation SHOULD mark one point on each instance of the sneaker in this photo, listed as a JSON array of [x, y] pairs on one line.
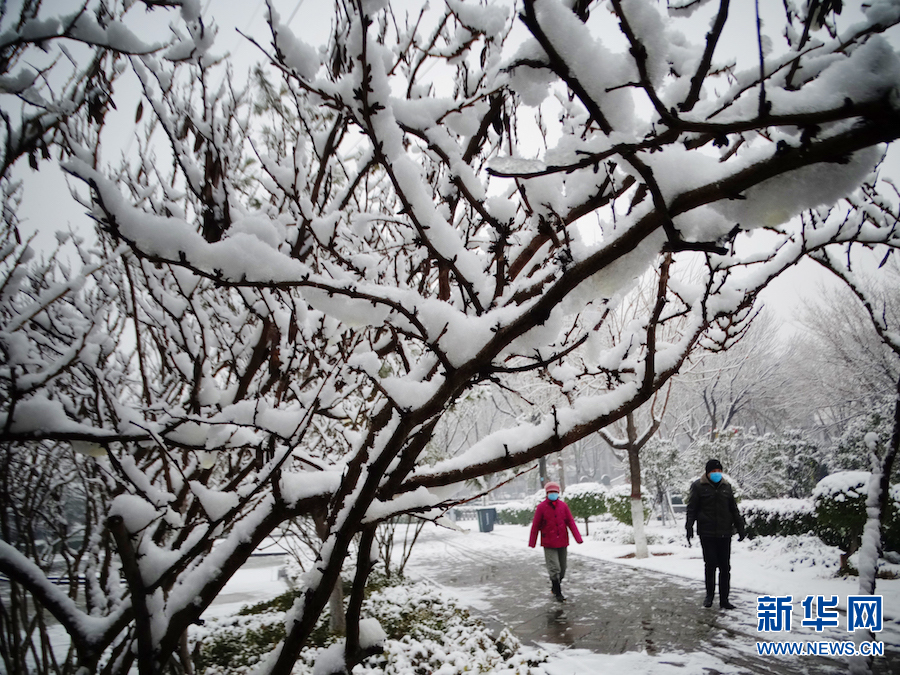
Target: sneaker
[[726, 605], [707, 602]]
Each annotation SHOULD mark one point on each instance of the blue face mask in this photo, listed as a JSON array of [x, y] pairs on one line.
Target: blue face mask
[[553, 496], [715, 476]]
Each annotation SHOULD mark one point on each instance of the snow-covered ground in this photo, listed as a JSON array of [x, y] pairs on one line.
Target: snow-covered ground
[[774, 566], [797, 566]]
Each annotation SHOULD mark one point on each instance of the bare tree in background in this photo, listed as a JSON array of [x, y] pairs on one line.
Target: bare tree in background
[[853, 370], [746, 385], [630, 443]]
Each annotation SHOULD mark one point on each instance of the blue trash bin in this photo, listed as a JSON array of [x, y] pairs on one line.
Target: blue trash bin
[[486, 519]]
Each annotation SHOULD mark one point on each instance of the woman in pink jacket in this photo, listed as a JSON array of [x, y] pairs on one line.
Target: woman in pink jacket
[[553, 519]]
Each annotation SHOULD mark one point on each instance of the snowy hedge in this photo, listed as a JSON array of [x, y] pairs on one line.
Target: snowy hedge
[[778, 517], [840, 504], [517, 513], [618, 502]]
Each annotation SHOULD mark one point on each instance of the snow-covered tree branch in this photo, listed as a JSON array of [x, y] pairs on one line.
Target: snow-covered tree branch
[[297, 276]]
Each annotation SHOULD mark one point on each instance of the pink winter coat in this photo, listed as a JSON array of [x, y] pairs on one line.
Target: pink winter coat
[[551, 519]]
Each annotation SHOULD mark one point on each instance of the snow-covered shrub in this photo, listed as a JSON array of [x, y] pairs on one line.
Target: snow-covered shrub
[[663, 469], [795, 552], [891, 531], [618, 502], [793, 463], [840, 503], [778, 517], [236, 643], [514, 513], [519, 512], [766, 467], [425, 631], [608, 530], [586, 500]]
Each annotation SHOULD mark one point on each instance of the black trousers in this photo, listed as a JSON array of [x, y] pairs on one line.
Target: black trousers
[[717, 555]]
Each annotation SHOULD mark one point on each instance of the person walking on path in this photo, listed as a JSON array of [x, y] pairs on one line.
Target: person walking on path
[[553, 519], [712, 506]]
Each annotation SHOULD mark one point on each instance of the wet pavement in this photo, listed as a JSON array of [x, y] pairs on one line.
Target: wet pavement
[[612, 608]]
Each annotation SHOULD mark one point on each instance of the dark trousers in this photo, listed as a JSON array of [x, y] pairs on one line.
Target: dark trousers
[[717, 555]]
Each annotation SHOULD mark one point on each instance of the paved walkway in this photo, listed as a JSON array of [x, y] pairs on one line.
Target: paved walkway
[[611, 608]]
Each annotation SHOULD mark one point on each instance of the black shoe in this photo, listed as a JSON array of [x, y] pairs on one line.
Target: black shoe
[[707, 601], [557, 590], [724, 604]]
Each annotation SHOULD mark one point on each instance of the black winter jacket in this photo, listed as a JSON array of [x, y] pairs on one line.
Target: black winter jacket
[[713, 508]]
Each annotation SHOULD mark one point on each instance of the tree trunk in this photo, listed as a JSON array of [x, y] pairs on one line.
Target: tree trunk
[[870, 549], [577, 457], [354, 652], [637, 521], [338, 623], [663, 506], [633, 446], [184, 654], [562, 473], [637, 506]]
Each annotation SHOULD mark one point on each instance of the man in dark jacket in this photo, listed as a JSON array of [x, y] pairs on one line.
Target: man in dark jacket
[[712, 506], [553, 519]]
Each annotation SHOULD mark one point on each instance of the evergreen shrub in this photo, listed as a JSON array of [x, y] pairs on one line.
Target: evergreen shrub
[[515, 513], [618, 502], [519, 512], [778, 517], [586, 500], [840, 505]]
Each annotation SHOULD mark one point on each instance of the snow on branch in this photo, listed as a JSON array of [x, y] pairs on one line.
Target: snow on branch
[[330, 261]]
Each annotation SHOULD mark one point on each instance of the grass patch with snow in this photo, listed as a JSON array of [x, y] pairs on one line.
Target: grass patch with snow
[[795, 552], [427, 633]]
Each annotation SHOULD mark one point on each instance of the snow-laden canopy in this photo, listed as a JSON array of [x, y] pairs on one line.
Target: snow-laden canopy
[[297, 278]]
